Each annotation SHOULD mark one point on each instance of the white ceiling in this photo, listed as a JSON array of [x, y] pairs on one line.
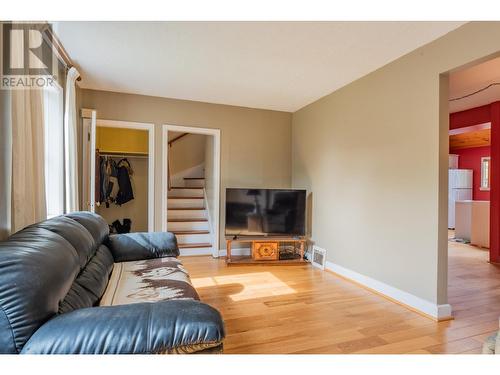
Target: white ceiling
[[474, 78], [273, 65]]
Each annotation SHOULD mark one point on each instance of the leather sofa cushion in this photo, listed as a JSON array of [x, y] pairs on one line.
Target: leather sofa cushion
[[91, 283], [75, 233], [182, 326], [151, 280], [137, 246], [94, 223], [37, 269]]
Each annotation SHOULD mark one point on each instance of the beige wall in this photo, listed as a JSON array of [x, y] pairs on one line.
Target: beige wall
[[372, 156], [255, 144], [187, 152]]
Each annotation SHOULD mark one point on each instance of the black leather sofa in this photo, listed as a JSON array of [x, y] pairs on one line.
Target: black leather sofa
[[53, 275]]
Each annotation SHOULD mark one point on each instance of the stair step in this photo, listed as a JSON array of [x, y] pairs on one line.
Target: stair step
[[194, 245], [191, 232], [192, 236], [186, 220], [186, 198], [184, 202], [174, 207], [184, 187], [192, 182], [193, 224], [186, 209], [186, 193], [180, 214]]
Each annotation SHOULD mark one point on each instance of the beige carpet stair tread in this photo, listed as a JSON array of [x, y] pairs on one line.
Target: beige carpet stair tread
[[183, 187]]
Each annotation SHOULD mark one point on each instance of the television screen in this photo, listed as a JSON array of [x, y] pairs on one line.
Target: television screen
[[265, 212]]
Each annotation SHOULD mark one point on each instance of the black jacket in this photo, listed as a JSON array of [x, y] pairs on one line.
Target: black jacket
[[125, 194]]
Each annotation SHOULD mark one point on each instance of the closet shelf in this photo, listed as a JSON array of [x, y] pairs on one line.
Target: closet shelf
[[124, 154]]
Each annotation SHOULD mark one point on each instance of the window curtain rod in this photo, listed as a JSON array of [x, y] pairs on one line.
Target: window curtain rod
[[52, 39]]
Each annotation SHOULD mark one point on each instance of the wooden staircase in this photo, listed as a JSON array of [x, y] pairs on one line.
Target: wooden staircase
[[187, 217]]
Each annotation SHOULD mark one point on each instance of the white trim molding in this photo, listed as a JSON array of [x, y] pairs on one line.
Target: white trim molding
[[151, 159], [427, 308], [217, 163], [195, 252]]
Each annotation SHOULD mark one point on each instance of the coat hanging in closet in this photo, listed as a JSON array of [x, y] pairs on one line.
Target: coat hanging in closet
[[125, 194], [113, 184]]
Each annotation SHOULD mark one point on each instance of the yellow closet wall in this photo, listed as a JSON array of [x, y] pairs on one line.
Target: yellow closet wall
[[131, 142], [120, 140]]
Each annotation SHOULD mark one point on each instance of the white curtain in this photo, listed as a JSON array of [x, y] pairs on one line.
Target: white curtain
[[70, 143], [5, 158], [28, 204], [5, 163], [22, 155]]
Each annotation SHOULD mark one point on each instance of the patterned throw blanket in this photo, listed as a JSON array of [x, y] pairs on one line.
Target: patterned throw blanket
[[149, 280]]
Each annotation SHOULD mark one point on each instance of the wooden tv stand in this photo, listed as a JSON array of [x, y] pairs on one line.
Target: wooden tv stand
[[266, 250]]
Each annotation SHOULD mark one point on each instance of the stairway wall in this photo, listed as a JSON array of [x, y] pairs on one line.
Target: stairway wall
[[196, 171], [187, 152]]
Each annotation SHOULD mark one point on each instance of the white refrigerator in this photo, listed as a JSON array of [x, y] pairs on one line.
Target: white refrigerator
[[459, 189]]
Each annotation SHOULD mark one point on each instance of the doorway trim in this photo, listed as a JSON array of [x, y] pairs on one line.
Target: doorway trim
[[164, 176], [151, 153]]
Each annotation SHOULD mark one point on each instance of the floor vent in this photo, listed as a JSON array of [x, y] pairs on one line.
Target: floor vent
[[318, 257]]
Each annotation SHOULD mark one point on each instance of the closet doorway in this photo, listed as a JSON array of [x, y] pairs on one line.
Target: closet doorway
[[191, 188], [121, 173]]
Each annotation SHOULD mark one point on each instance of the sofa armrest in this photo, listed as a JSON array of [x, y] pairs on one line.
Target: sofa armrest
[[139, 246], [179, 326]]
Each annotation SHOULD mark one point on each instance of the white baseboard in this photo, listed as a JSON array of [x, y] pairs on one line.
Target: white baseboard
[[444, 312], [240, 251], [194, 252], [438, 312]]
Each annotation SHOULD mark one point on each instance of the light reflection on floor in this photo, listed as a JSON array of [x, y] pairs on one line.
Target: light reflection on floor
[[268, 285]]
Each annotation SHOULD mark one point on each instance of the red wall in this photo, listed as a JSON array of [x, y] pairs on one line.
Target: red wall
[[480, 115], [470, 158], [473, 116]]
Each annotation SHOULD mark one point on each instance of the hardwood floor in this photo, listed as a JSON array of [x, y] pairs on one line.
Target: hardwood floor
[[299, 309]]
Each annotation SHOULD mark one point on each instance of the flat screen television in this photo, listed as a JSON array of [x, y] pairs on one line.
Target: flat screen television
[[265, 212]]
